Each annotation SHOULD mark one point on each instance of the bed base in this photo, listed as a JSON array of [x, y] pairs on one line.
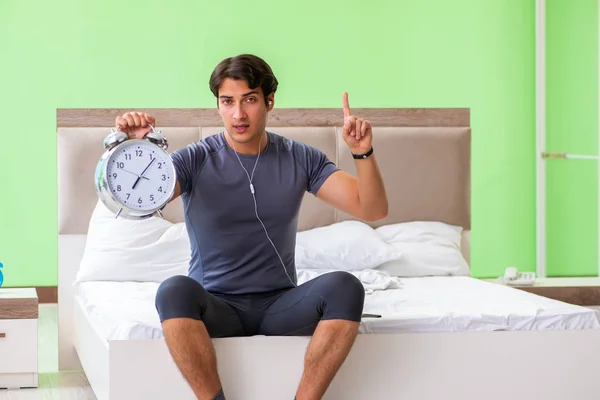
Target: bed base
[[426, 366]]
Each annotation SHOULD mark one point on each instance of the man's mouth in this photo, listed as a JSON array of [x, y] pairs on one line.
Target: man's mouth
[[241, 128]]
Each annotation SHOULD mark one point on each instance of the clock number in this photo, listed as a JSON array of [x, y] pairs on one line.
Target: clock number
[[151, 156], [151, 197], [120, 165], [128, 194], [118, 188], [140, 200], [164, 177], [138, 153], [160, 189], [127, 156], [159, 165], [114, 176]]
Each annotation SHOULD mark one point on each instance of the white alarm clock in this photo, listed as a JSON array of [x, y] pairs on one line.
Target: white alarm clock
[[135, 178]]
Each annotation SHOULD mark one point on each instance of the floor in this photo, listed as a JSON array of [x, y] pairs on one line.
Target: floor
[[52, 384]]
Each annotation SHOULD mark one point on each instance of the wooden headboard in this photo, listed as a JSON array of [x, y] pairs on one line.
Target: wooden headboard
[[423, 154]]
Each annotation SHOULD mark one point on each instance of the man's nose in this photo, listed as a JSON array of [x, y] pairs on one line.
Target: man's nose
[[239, 112]]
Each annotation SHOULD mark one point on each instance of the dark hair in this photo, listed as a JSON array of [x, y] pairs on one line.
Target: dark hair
[[250, 68]]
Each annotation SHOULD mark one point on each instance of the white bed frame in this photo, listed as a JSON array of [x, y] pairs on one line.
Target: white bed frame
[[468, 366]]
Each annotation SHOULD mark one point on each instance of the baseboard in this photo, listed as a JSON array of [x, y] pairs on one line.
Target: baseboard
[[46, 294]]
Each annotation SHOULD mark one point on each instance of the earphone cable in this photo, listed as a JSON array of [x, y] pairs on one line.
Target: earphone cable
[[250, 178]]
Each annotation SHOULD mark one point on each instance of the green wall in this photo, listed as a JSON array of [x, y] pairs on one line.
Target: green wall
[[572, 127], [396, 53]]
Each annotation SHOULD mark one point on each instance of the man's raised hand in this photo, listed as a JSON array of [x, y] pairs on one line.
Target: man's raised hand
[[357, 132]]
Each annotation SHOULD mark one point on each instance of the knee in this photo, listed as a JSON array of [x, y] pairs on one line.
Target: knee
[[177, 296], [344, 281], [176, 287], [344, 295]]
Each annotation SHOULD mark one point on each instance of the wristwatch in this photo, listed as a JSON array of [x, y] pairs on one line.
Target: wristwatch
[[363, 156]]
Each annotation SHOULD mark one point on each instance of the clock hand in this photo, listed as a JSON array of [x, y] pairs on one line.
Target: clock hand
[[142, 174], [123, 169]]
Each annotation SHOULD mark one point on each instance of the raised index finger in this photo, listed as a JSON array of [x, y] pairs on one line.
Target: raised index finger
[[346, 106]]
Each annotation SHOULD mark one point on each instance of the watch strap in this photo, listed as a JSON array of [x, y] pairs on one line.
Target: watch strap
[[362, 156]]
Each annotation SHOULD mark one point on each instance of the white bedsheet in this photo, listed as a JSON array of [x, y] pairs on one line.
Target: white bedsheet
[[125, 310]]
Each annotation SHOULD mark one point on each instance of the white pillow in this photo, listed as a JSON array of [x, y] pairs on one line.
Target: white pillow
[[346, 246], [149, 250], [428, 249]]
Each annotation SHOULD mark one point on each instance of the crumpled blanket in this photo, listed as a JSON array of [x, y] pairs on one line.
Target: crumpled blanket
[[371, 279]]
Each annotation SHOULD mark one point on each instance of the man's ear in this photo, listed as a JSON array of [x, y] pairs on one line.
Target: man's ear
[[270, 102]]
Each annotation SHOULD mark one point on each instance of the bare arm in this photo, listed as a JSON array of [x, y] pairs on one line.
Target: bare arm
[[177, 192], [363, 197]]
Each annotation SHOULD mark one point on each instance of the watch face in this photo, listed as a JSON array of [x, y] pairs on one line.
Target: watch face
[[140, 175]]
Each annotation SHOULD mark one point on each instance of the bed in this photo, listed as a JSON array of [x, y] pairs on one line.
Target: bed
[[445, 336], [125, 310]]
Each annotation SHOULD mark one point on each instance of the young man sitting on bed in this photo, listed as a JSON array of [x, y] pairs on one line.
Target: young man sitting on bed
[[242, 191]]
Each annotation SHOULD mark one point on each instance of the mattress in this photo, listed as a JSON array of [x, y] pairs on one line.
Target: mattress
[[126, 310]]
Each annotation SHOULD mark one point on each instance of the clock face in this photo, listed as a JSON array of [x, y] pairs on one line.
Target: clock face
[[140, 175]]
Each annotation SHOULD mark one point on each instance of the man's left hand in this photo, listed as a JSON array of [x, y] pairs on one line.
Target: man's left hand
[[356, 132]]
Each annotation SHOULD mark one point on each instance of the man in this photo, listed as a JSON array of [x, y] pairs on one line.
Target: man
[[242, 191]]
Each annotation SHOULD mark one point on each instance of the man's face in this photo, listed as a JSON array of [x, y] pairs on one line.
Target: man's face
[[243, 111]]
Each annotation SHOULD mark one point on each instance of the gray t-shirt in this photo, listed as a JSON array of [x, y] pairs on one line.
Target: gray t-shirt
[[230, 252]]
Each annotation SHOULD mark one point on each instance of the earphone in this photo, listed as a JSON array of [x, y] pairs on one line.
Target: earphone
[[252, 190]]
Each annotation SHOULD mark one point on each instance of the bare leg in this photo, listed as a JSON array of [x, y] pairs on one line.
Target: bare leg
[[327, 350], [193, 352]]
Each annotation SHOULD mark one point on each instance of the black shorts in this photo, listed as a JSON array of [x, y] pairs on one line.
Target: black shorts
[[292, 312]]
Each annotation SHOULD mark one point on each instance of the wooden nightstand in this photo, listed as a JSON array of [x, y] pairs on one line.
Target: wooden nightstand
[[18, 338], [581, 291]]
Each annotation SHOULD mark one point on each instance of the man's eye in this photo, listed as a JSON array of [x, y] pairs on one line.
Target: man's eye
[[251, 99], [226, 101]]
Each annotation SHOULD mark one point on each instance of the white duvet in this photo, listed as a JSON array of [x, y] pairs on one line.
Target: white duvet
[[126, 310], [371, 279]]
